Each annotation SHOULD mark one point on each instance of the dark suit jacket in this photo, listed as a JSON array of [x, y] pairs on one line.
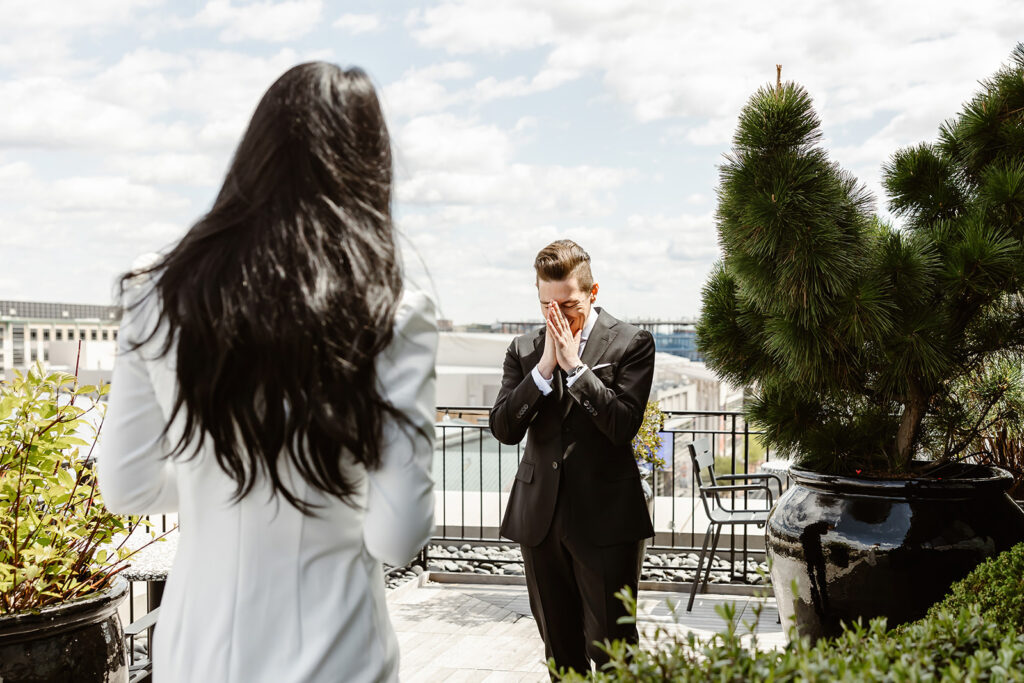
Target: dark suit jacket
[[583, 434]]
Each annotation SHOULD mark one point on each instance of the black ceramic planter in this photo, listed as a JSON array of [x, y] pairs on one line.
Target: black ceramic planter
[[76, 642], [861, 548]]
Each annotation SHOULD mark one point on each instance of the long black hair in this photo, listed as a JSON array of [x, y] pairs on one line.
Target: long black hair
[[280, 298]]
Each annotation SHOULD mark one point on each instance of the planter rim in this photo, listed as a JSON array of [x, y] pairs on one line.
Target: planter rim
[[988, 480], [63, 616]]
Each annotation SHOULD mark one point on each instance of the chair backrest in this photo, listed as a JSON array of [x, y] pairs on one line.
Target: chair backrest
[[703, 459]]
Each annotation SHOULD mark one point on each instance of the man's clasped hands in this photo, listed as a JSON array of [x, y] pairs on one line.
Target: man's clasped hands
[[561, 344]]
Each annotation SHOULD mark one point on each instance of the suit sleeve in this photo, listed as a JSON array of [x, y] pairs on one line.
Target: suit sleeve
[[619, 411], [517, 402], [400, 496], [135, 476]]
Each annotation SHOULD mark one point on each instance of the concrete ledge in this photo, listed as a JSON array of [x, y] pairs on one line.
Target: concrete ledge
[[411, 584], [712, 589], [661, 586]]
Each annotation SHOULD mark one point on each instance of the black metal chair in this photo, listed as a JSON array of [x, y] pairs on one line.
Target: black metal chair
[[719, 514]]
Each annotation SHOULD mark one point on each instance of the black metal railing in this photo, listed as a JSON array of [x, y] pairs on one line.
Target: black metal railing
[[473, 474]]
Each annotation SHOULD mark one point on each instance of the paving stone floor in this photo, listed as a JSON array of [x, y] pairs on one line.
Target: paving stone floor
[[474, 632]]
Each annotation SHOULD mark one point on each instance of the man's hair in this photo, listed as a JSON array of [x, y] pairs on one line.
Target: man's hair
[[563, 259]]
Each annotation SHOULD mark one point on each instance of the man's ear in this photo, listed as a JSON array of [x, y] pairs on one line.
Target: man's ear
[[593, 292]]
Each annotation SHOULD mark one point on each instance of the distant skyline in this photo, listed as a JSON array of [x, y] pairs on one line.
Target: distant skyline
[[514, 123]]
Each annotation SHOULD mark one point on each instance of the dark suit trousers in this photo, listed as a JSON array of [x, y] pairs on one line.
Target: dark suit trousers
[[572, 585]]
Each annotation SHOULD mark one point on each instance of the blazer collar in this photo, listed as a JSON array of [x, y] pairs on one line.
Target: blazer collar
[[600, 337], [588, 326]]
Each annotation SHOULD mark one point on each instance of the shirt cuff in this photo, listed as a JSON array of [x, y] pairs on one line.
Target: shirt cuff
[[569, 381], [543, 384]]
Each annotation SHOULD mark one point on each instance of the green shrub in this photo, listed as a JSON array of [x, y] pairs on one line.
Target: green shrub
[[996, 586], [957, 641], [647, 442], [57, 540]]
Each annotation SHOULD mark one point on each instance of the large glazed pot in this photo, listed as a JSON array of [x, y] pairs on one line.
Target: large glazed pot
[[861, 548], [75, 642]]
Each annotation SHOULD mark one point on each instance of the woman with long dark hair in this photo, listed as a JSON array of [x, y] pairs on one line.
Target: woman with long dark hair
[[275, 387]]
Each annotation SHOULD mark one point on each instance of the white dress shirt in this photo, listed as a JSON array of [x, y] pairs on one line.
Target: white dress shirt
[[258, 591], [545, 384]]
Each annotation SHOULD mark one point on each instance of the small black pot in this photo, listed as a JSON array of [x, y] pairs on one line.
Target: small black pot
[[76, 642], [862, 548]]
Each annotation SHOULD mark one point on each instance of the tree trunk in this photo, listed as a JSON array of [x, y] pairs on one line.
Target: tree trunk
[[910, 425]]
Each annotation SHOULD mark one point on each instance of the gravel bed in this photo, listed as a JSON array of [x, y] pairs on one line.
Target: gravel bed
[[508, 561], [400, 576]]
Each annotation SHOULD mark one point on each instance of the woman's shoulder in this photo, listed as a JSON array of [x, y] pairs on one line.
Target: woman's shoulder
[[139, 296], [415, 307]]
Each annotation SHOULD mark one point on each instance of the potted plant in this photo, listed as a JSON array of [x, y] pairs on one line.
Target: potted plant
[[990, 428], [855, 335], [647, 448], [60, 549]]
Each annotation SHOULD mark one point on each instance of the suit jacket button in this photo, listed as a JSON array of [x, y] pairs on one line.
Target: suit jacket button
[[554, 465]]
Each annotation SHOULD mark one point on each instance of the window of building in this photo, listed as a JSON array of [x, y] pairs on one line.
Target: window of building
[[106, 335], [115, 335], [46, 335], [46, 355], [59, 335], [18, 337], [71, 334], [81, 335], [93, 335], [32, 334]]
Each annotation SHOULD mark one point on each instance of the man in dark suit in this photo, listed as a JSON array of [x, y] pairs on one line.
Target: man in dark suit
[[577, 389]]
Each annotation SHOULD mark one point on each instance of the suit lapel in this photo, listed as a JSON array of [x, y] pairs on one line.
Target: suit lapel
[[600, 338]]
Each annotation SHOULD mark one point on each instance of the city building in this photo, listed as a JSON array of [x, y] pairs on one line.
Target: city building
[[469, 368], [677, 337], [60, 335]]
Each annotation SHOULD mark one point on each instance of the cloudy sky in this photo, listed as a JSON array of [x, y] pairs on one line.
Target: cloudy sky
[[515, 122]]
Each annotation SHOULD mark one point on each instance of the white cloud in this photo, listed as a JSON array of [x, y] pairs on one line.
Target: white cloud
[[649, 265], [429, 89], [275, 22], [171, 168], [492, 88], [670, 60], [149, 100], [122, 117], [465, 27], [445, 159], [71, 236], [22, 16], [421, 90], [358, 23], [445, 142], [55, 113]]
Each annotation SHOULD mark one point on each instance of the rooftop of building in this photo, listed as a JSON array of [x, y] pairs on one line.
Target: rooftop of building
[[43, 310]]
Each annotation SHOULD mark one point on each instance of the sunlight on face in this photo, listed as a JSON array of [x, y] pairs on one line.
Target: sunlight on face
[[574, 303]]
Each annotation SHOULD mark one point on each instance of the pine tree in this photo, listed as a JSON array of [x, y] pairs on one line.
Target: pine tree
[[853, 332]]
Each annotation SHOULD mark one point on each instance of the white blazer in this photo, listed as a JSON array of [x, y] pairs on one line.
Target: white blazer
[[258, 591]]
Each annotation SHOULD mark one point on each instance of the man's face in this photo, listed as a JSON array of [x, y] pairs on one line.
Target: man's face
[[574, 303]]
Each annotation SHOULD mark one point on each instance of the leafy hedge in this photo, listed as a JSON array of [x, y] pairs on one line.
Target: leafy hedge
[[976, 634], [996, 586]]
